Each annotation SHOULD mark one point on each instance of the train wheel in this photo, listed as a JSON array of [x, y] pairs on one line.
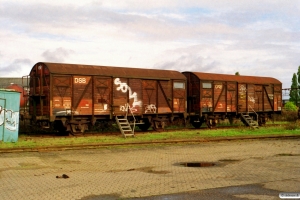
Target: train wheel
[[261, 120], [144, 127], [196, 124], [158, 125], [58, 125], [102, 125], [78, 129]]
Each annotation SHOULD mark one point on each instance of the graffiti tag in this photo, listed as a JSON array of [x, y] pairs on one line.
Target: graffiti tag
[[9, 119], [132, 95], [127, 107], [251, 99], [150, 108], [243, 89], [218, 87]]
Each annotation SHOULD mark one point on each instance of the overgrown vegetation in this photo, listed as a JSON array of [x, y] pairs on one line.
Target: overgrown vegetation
[[295, 88], [290, 106], [24, 141], [289, 116]]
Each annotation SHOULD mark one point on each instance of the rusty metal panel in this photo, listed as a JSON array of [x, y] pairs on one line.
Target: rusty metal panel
[[257, 92], [102, 95], [277, 97], [258, 100], [193, 92], [231, 97], [235, 78], [164, 97], [125, 72], [242, 97], [179, 97], [61, 95], [39, 89], [82, 95], [149, 96], [120, 96], [206, 102], [231, 101], [127, 95], [268, 98], [135, 96], [219, 97], [251, 97], [277, 101]]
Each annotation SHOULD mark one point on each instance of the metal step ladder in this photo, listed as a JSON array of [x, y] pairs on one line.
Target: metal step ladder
[[249, 120], [124, 126]]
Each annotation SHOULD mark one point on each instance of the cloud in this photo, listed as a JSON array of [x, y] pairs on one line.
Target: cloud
[[190, 61], [17, 66], [58, 55], [218, 36]]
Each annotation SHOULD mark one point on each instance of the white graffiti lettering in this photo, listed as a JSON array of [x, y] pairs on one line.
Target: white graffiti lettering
[[218, 87], [150, 108], [127, 107], [243, 88], [9, 119], [132, 95], [251, 99]]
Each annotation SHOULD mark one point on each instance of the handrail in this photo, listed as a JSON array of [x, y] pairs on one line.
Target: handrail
[[255, 113], [128, 108]]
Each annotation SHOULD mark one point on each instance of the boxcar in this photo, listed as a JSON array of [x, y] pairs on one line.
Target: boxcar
[[214, 96], [71, 97]]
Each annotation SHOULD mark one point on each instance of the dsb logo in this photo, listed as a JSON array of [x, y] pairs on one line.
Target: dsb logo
[[79, 80]]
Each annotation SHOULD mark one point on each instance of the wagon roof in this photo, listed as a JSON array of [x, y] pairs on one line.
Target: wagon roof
[[236, 78], [78, 69]]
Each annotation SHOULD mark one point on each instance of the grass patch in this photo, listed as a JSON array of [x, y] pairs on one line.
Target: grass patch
[[32, 142]]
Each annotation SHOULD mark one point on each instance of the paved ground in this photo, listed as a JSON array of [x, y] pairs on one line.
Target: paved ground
[[258, 169]]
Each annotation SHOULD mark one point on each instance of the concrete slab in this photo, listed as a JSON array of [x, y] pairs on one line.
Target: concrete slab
[[121, 172]]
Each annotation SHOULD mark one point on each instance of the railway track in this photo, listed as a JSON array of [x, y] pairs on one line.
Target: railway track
[[161, 142], [125, 143], [117, 132]]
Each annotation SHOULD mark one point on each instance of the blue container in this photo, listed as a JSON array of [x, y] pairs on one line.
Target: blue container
[[9, 115]]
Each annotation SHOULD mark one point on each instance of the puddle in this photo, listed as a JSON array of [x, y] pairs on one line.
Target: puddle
[[197, 164], [68, 162], [287, 154], [143, 169], [220, 163]]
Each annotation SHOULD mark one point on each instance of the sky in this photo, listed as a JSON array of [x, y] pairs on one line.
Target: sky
[[252, 37]]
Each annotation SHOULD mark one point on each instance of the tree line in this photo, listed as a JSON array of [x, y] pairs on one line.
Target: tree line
[[294, 100]]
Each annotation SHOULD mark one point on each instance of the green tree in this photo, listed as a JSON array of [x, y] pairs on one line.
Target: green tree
[[298, 74], [237, 73], [290, 106], [294, 94]]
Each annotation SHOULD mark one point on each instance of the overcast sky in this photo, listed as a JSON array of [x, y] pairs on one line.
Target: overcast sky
[[252, 37]]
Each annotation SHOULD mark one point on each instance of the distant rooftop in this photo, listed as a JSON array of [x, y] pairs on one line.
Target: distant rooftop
[[7, 81]]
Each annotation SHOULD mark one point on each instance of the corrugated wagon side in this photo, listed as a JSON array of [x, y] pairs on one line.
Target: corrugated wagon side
[[73, 97], [215, 96]]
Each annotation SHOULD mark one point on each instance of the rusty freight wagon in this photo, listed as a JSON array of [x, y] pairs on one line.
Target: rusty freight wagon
[[71, 97], [214, 96]]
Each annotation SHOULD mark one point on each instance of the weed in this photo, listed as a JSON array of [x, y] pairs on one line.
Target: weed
[[293, 125]]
